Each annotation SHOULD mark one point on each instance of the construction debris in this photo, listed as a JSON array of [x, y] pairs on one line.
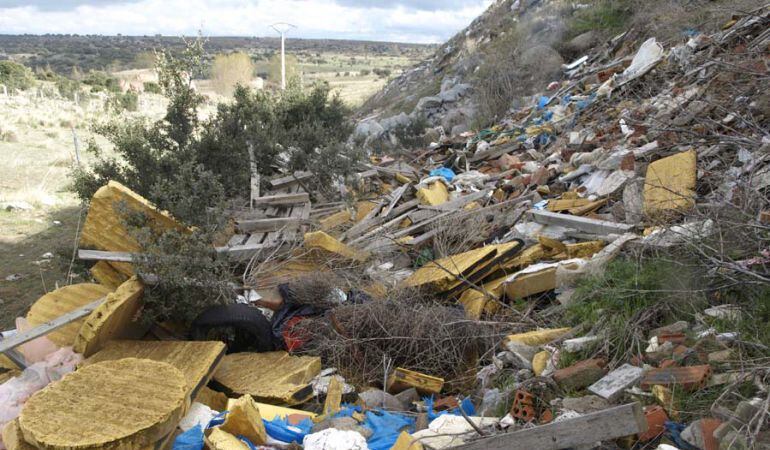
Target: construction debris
[[434, 291]]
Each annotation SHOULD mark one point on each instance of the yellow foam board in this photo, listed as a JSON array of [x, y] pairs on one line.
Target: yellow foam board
[[271, 377], [116, 318], [128, 403], [61, 301], [670, 183]]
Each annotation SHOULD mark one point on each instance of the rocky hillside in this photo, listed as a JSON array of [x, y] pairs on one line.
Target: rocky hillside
[[515, 49]]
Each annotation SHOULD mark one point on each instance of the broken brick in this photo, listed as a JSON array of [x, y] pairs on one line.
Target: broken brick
[[690, 378], [581, 374], [656, 418]]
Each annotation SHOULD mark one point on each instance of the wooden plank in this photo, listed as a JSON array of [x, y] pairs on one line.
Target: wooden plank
[[286, 181], [282, 199], [611, 423], [396, 196], [254, 175], [51, 325], [267, 225], [99, 255], [237, 239], [584, 224]]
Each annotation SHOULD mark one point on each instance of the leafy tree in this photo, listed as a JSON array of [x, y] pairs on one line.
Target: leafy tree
[[274, 68], [228, 71]]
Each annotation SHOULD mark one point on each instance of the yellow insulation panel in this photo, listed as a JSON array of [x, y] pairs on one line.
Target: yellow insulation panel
[[271, 377], [128, 403], [670, 183], [434, 194], [318, 240], [197, 360], [116, 318], [61, 301], [446, 270], [537, 337], [104, 227], [111, 274]]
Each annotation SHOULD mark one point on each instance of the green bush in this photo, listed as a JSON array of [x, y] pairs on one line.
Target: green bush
[[412, 135], [605, 16], [303, 121], [66, 87], [101, 81], [151, 87], [16, 76], [128, 101]]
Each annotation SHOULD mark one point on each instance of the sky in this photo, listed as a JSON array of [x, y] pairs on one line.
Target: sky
[[422, 21]]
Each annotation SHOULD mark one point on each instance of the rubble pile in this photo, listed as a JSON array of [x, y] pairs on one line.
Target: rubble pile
[[421, 314]]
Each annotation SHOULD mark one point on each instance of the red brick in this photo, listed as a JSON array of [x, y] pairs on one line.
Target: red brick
[[674, 338], [581, 374], [708, 426], [690, 378], [656, 418]]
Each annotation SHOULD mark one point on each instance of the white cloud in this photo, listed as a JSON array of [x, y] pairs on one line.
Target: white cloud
[[342, 19]]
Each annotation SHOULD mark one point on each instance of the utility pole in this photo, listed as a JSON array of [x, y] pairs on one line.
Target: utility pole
[[282, 28]]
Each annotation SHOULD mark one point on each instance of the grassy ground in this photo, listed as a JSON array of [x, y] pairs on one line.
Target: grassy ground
[[35, 169]]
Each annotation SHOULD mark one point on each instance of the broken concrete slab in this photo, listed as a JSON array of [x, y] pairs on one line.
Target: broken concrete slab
[[611, 386]]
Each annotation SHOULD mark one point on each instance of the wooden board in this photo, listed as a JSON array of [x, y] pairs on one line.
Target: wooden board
[[611, 423]]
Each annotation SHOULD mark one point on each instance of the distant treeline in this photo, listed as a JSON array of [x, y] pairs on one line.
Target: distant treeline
[[62, 53]]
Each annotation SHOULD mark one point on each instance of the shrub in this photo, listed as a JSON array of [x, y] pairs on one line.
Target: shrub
[[152, 87], [101, 81], [412, 134], [271, 123], [16, 76], [128, 101], [67, 87]]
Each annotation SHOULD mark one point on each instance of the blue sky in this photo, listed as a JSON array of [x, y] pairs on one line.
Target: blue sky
[[427, 21]]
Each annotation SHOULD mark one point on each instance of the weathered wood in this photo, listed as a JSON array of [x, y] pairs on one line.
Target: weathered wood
[[396, 196], [296, 177], [43, 329], [282, 199], [611, 423], [584, 224], [254, 175], [267, 225], [99, 255], [237, 239]]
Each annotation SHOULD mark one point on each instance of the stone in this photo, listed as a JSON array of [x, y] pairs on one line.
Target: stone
[[543, 59], [430, 102], [582, 42], [368, 128], [243, 419], [585, 404], [676, 327], [375, 398], [454, 93], [343, 424], [408, 396]]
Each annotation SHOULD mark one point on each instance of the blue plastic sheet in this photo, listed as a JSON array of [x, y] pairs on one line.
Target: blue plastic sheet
[[191, 439], [466, 405], [385, 428], [280, 429], [542, 102], [444, 172]]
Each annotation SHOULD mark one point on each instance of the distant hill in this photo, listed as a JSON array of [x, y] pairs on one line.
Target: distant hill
[[95, 52]]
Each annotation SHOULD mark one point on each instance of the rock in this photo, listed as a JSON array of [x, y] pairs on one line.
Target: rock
[[14, 277], [368, 128], [585, 404], [375, 398], [455, 93], [426, 103], [543, 60], [343, 424], [391, 123], [583, 42], [459, 129], [408, 396], [18, 205], [676, 327]]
